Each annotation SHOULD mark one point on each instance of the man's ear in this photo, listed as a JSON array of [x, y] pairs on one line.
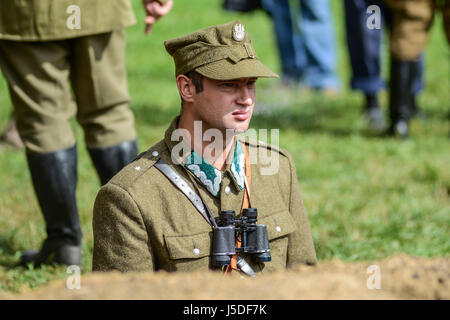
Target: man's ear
[[186, 88]]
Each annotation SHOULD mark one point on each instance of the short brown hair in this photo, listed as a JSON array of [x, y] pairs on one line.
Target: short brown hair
[[197, 80]]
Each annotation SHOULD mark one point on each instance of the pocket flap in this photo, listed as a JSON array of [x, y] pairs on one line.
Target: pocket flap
[[278, 224], [189, 246]]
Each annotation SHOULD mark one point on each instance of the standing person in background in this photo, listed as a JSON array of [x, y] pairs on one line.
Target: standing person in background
[[306, 42], [364, 46], [411, 22], [46, 46], [10, 135]]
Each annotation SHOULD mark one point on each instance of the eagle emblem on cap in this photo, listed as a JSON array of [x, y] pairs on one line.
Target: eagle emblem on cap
[[239, 32]]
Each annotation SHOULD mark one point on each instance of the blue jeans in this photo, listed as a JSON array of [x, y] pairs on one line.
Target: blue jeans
[[364, 47], [305, 39]]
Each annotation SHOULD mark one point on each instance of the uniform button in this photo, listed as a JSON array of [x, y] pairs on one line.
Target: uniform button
[[196, 251], [155, 153], [227, 190], [137, 168], [278, 228]]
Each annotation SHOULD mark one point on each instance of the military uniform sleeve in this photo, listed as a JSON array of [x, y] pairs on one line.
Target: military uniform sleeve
[[300, 247], [121, 240]]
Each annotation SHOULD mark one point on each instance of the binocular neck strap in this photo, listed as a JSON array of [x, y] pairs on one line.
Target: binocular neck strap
[[247, 179], [245, 205]]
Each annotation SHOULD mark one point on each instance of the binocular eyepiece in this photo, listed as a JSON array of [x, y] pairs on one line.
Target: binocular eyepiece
[[253, 237]]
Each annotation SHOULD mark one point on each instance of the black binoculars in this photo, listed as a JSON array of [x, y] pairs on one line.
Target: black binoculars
[[254, 237]]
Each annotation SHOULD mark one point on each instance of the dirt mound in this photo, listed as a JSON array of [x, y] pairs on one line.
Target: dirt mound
[[399, 277]]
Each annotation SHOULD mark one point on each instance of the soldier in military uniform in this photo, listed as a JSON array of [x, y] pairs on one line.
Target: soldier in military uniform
[[10, 135], [44, 46], [411, 22], [146, 219]]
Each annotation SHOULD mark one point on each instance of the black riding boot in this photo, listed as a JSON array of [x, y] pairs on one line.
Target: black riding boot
[[414, 111], [400, 96], [110, 160], [54, 177]]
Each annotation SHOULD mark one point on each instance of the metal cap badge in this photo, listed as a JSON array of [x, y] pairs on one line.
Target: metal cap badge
[[219, 52], [239, 32]]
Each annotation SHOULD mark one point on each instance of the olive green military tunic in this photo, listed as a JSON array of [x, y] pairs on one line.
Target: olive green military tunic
[[142, 222], [44, 56], [45, 20], [411, 21]]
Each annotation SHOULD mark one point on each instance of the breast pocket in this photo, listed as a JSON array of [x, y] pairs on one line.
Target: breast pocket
[[189, 252], [279, 226]]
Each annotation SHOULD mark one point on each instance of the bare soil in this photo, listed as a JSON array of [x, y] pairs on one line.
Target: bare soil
[[402, 277]]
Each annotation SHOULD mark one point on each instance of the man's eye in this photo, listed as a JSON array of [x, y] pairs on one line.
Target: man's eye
[[228, 85]]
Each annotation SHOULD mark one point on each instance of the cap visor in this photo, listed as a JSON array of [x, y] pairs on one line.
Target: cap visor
[[227, 70]]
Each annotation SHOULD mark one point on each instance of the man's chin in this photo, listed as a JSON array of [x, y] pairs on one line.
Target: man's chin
[[240, 126], [238, 129]]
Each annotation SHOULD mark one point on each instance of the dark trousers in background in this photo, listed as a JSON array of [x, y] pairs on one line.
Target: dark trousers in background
[[364, 46]]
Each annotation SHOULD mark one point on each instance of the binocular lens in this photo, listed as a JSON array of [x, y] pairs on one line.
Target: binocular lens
[[251, 213], [263, 257], [254, 237], [221, 261], [260, 242], [227, 217], [223, 245]]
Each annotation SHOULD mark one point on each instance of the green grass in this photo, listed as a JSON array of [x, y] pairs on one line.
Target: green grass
[[366, 197]]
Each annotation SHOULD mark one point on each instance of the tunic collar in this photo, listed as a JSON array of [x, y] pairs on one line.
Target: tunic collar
[[205, 172]]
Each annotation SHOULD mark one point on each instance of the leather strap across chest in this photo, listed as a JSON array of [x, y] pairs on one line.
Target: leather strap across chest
[[196, 200], [182, 185], [245, 205]]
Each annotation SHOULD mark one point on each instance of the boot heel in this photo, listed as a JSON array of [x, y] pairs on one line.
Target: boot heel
[[68, 255]]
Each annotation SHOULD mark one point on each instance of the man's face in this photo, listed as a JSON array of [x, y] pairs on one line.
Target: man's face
[[225, 104]]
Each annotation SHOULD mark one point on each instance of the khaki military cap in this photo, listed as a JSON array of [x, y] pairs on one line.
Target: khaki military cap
[[221, 52]]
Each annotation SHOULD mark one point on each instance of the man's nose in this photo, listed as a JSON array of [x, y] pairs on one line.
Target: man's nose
[[246, 97]]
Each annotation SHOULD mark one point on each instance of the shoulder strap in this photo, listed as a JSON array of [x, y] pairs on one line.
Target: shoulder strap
[[179, 182]]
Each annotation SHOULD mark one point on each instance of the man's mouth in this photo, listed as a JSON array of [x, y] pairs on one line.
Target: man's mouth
[[240, 115]]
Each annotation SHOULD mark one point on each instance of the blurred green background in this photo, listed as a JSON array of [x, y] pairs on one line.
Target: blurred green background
[[366, 197]]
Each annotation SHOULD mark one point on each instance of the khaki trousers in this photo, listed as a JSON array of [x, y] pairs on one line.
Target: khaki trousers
[[411, 21], [50, 82]]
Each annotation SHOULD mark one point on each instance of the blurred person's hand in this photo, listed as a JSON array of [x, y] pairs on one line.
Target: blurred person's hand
[[155, 10]]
